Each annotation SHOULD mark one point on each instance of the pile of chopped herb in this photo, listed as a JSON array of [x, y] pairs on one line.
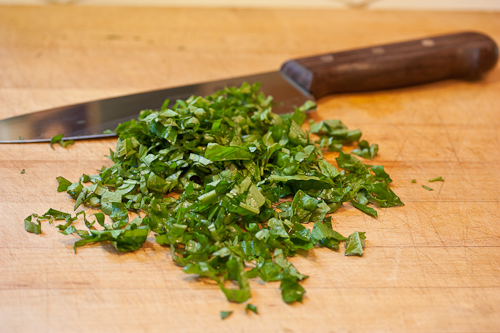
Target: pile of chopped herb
[[228, 185]]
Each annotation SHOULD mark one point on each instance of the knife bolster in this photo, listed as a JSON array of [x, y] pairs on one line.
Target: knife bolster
[[297, 74]]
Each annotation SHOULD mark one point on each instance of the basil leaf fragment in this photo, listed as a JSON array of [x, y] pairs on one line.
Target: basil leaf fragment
[[437, 179], [59, 139], [251, 307], [365, 150], [63, 184], [31, 226], [225, 314], [355, 244], [291, 290]]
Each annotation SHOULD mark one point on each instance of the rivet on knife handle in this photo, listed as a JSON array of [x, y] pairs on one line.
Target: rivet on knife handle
[[466, 55]]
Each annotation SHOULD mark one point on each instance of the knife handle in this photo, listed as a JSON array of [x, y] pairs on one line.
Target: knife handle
[[465, 55]]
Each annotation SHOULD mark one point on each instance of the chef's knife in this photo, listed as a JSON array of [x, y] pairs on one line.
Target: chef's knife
[[466, 55]]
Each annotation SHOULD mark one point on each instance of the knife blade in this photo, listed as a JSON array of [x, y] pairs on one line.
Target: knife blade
[[465, 55]]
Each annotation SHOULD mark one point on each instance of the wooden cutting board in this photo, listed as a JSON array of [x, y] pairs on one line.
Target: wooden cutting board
[[432, 265]]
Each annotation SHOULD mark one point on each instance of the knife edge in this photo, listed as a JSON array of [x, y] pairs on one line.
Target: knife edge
[[89, 120]]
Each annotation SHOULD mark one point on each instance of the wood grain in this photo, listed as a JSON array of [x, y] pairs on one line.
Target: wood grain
[[432, 265]]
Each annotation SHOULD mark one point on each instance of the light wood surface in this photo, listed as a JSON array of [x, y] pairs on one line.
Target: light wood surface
[[432, 265]]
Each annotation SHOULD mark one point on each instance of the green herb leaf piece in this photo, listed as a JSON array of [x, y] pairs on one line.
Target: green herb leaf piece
[[31, 226], [291, 290], [365, 209], [63, 184], [56, 214], [251, 307], [427, 188], [413, 181], [365, 150], [237, 273], [354, 244], [323, 233], [225, 314], [351, 163], [23, 171], [216, 152], [437, 179], [307, 106], [59, 139], [382, 195], [333, 134], [55, 139]]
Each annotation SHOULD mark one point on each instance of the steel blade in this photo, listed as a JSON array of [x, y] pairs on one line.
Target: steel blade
[[90, 119]]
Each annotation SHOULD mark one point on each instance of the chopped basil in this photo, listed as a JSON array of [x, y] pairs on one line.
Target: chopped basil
[[63, 184], [365, 150], [31, 226], [437, 179], [333, 135], [291, 290], [246, 181], [225, 314], [59, 139], [23, 171], [427, 188], [413, 181], [354, 244], [251, 307]]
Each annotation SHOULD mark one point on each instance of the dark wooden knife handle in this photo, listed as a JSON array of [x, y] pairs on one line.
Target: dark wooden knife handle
[[465, 55]]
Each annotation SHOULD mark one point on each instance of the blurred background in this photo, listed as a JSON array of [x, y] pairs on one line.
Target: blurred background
[[468, 5]]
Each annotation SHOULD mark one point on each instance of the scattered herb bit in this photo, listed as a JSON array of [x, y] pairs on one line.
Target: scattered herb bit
[[437, 179], [108, 131], [225, 314], [427, 188], [246, 181], [21, 138], [23, 171], [31, 226], [355, 244], [413, 181], [59, 139], [251, 307]]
